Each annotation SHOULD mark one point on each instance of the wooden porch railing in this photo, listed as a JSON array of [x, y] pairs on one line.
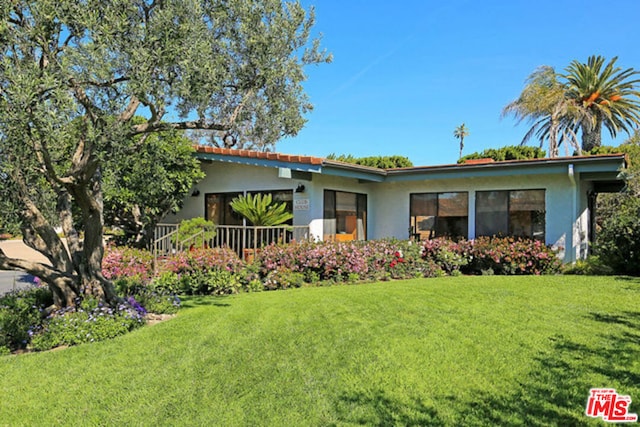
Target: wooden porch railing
[[236, 237]]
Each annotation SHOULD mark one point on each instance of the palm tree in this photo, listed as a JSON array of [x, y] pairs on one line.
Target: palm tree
[[544, 104], [607, 93], [461, 132]]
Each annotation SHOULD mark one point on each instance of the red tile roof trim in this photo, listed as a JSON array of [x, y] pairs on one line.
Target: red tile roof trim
[[310, 160], [288, 158]]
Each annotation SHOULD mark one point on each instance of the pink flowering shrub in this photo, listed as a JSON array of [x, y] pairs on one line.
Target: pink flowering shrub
[[202, 271], [202, 259], [327, 261], [403, 260], [450, 256], [199, 271], [120, 262], [493, 255], [511, 255], [347, 261], [220, 271]]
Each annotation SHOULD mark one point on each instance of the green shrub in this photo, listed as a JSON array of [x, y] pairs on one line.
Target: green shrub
[[592, 266], [167, 282], [510, 152], [447, 255], [89, 322], [312, 277], [249, 277], [158, 302], [158, 297], [20, 314], [382, 162], [126, 286], [189, 228], [210, 282], [253, 286], [618, 243], [351, 278], [283, 278]]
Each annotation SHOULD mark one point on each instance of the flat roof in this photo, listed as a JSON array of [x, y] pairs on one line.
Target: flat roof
[[603, 167]]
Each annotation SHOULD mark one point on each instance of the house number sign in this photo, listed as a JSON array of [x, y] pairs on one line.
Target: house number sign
[[301, 205]]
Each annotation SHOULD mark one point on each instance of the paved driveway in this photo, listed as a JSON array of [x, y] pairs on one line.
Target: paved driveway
[[10, 280], [13, 280]]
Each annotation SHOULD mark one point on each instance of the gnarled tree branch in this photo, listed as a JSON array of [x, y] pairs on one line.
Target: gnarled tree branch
[[185, 125]]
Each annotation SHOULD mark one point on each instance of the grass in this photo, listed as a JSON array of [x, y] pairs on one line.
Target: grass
[[450, 351]]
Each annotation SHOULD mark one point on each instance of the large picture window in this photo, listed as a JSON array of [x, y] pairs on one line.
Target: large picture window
[[345, 216], [439, 215], [519, 213], [218, 205]]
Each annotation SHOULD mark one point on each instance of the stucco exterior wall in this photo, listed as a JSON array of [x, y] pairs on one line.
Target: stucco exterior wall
[[563, 228], [566, 221], [231, 177]]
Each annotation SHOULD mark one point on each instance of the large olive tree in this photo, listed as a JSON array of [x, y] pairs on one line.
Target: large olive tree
[[74, 73]]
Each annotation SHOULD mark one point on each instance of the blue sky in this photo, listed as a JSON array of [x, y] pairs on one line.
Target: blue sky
[[406, 73]]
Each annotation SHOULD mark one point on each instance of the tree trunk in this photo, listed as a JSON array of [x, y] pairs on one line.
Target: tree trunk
[[88, 262], [591, 135]]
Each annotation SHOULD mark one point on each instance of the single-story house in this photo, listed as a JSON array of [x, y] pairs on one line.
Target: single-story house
[[551, 199]]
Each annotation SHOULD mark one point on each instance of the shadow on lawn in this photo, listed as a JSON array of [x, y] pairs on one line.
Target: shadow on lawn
[[198, 301], [379, 409], [632, 283], [554, 393], [556, 390]]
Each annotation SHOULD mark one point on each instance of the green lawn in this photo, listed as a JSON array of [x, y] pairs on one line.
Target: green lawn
[[450, 351]]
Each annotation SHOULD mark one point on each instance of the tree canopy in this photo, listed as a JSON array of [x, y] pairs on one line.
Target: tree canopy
[[618, 214], [510, 152], [544, 104], [608, 96], [150, 182], [73, 74], [381, 162], [583, 100]]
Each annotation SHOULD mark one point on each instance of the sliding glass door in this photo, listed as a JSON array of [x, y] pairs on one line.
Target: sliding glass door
[[345, 216]]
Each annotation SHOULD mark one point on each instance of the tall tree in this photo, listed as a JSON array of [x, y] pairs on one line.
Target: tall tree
[[609, 96], [544, 104], [589, 96], [73, 74], [461, 132]]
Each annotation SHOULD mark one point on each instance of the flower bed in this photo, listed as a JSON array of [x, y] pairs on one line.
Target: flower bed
[[220, 271]]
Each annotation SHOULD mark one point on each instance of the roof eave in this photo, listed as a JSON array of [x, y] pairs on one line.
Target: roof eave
[[253, 161]]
